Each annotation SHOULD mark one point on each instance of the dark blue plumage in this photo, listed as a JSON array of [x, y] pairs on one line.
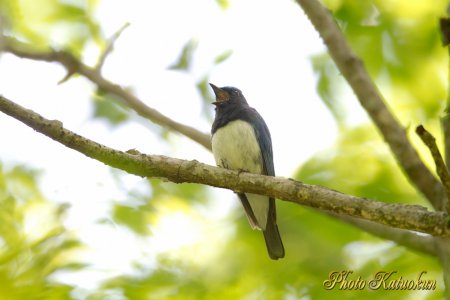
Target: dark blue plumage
[[241, 141]]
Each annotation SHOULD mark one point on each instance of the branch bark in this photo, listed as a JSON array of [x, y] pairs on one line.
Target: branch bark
[[411, 217], [352, 68], [441, 168], [73, 65]]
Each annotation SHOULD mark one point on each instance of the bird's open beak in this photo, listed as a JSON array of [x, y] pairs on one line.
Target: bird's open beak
[[221, 95]]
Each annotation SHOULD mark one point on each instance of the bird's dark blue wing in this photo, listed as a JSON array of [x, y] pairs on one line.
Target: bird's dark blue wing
[[264, 140], [271, 234]]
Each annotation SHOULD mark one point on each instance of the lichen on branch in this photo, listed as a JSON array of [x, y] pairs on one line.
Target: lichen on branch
[[411, 217]]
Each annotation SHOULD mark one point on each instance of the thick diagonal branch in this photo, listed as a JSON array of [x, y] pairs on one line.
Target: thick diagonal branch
[[410, 217], [75, 66], [352, 68]]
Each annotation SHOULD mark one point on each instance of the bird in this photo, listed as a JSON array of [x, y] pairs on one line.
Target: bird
[[241, 140]]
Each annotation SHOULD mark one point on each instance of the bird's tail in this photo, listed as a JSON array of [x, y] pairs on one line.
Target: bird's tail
[[273, 240]]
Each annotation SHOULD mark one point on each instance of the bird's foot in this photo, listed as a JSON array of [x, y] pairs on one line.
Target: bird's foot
[[241, 171]]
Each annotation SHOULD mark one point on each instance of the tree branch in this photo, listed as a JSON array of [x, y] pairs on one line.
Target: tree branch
[[75, 66], [441, 168], [411, 217], [352, 68], [414, 241], [109, 48]]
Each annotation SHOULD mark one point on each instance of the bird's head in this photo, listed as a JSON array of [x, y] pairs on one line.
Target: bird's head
[[227, 96]]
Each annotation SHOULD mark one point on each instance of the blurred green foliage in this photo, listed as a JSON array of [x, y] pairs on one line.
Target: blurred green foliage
[[110, 108], [184, 64], [399, 43], [34, 245], [330, 86], [62, 24], [240, 268], [185, 60], [360, 164], [224, 4]]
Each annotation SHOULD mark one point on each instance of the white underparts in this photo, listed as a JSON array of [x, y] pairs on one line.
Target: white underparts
[[236, 147]]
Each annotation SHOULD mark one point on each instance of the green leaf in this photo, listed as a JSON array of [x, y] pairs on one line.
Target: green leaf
[[185, 60], [66, 12], [224, 4], [134, 217], [45, 23], [28, 259], [380, 177], [328, 86], [205, 91], [110, 108], [223, 57]]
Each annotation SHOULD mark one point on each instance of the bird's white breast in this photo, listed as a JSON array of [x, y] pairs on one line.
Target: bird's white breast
[[236, 147]]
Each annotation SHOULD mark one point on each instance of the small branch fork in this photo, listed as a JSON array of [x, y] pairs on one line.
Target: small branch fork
[[441, 168], [109, 47]]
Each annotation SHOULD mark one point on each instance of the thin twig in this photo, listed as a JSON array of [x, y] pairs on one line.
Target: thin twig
[[109, 47], [443, 251], [441, 169], [445, 121], [66, 77], [73, 65], [411, 217], [352, 68]]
